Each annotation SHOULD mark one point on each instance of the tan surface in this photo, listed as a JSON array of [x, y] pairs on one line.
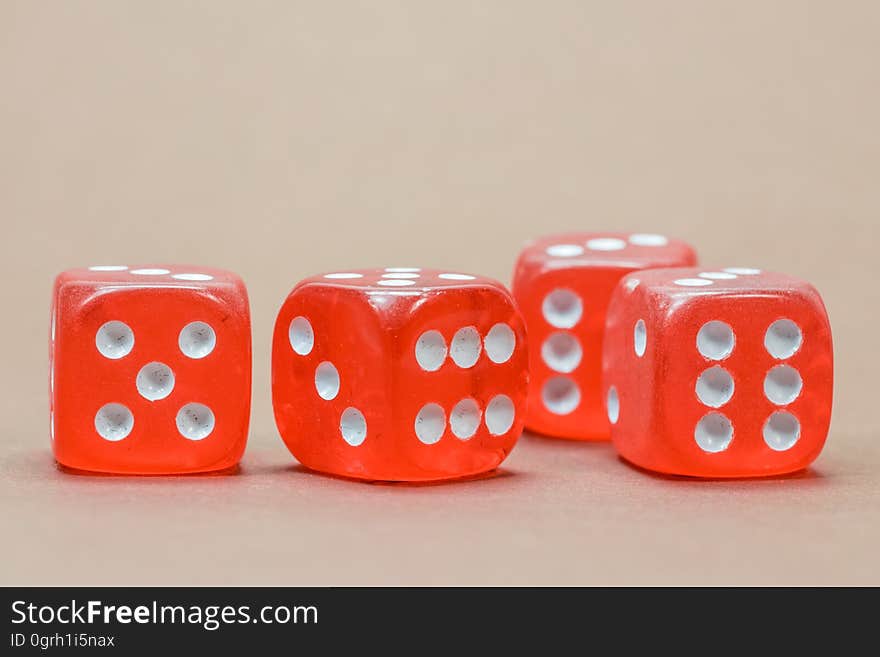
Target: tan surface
[[280, 139]]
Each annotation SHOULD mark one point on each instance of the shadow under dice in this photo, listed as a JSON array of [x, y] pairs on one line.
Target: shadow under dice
[[563, 284], [718, 373], [399, 374], [150, 369]]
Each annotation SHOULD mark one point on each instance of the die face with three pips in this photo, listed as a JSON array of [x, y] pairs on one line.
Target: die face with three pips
[[400, 374], [150, 369], [718, 373], [562, 284]]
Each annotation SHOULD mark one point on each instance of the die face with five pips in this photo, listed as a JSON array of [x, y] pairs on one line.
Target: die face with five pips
[[150, 369], [399, 374], [562, 284], [718, 373]]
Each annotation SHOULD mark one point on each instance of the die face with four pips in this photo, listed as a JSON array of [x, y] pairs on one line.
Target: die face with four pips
[[718, 373], [150, 369], [562, 284], [399, 374]]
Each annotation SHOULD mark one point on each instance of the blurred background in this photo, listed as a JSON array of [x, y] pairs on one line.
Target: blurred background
[[279, 139]]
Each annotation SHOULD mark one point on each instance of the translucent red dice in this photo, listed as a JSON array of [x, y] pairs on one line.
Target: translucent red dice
[[562, 284], [718, 373], [401, 374], [150, 369]]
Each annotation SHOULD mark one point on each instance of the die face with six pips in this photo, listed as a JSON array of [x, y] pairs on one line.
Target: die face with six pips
[[400, 374], [718, 373], [150, 369], [562, 284]]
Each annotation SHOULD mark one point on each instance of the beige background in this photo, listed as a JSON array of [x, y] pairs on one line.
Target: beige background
[[281, 139]]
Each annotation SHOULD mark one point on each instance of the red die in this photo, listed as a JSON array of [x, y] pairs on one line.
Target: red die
[[562, 284], [718, 373], [150, 369], [399, 374]]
